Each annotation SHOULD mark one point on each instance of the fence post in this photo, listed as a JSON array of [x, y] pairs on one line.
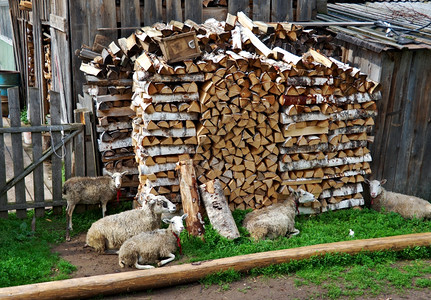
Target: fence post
[[36, 137], [17, 151]]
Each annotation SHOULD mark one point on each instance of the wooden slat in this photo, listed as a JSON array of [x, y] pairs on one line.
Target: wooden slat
[[193, 10], [56, 159], [261, 10], [17, 150], [105, 11], [303, 10], [173, 10], [36, 137], [130, 14], [238, 5], [152, 12], [281, 11], [3, 197], [185, 273], [79, 148]]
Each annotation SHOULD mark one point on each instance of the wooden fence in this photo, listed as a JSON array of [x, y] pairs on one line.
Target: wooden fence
[[63, 156]]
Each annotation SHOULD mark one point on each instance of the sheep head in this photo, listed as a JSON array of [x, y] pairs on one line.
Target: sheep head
[[160, 204], [176, 223], [375, 187], [302, 196], [117, 177]]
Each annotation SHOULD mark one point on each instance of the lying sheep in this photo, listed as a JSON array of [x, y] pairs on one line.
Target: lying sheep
[[149, 247], [277, 219], [90, 190], [407, 206], [112, 231]]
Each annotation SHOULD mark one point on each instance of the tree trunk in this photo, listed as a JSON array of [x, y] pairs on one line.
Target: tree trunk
[[190, 198], [218, 209]]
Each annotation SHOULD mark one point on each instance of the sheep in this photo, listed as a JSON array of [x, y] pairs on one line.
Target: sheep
[[90, 190], [277, 219], [149, 247], [407, 206], [112, 231]]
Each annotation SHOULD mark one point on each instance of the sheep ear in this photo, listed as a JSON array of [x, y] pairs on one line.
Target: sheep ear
[[109, 173], [382, 182], [291, 190], [123, 173], [152, 201], [367, 181], [167, 221], [184, 216]]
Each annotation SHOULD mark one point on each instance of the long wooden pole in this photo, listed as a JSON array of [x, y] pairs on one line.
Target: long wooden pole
[[180, 274]]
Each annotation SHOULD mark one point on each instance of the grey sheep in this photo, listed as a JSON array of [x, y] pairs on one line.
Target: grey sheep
[[148, 247], [112, 231], [90, 190], [277, 219], [407, 206]]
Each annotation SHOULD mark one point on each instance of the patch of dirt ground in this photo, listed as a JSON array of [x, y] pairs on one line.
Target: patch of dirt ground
[[89, 263]]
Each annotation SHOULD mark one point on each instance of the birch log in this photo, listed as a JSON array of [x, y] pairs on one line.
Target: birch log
[[218, 210], [190, 198]]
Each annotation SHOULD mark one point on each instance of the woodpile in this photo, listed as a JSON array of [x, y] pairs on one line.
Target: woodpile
[[252, 114], [108, 93], [30, 55]]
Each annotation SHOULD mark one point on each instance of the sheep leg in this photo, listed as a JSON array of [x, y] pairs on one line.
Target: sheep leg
[[69, 212], [294, 232], [103, 209], [165, 261], [143, 267]]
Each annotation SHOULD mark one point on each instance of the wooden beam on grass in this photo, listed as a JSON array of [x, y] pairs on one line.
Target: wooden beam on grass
[[186, 273]]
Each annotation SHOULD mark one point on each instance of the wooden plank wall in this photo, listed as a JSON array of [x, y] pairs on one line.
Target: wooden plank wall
[[33, 194], [403, 126]]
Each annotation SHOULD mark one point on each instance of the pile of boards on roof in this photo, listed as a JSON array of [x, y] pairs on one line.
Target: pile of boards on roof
[[254, 105]]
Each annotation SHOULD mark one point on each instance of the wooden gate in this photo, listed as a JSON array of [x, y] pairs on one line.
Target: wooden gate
[[66, 153]]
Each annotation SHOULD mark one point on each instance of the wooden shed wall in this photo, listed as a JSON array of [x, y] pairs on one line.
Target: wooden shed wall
[[403, 128]]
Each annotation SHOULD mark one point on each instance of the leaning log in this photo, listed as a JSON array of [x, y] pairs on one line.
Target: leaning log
[[218, 210], [186, 273], [190, 198]]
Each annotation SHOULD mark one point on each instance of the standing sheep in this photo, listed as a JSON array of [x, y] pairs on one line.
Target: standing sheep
[[407, 206], [90, 190], [277, 219], [149, 247], [112, 231]]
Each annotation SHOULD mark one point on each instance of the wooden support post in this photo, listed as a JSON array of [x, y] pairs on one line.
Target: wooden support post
[[218, 209], [35, 118], [3, 197], [190, 198], [186, 273], [79, 148]]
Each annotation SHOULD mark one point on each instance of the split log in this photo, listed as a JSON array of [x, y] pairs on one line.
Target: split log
[[218, 210], [192, 205]]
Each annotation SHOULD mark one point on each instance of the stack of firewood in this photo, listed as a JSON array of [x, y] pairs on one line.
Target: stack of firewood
[[109, 87], [326, 121], [164, 129], [258, 118]]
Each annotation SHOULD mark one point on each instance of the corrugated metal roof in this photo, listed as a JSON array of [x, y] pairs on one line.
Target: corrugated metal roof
[[399, 25]]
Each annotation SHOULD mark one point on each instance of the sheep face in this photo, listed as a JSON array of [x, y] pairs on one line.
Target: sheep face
[[176, 223], [375, 187], [302, 196], [160, 204], [117, 177]]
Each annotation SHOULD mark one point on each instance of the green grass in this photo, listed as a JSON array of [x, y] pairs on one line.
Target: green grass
[[26, 255]]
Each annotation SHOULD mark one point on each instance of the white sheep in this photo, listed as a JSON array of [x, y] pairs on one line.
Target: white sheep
[[112, 231], [148, 247], [90, 190], [278, 219], [407, 206]]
